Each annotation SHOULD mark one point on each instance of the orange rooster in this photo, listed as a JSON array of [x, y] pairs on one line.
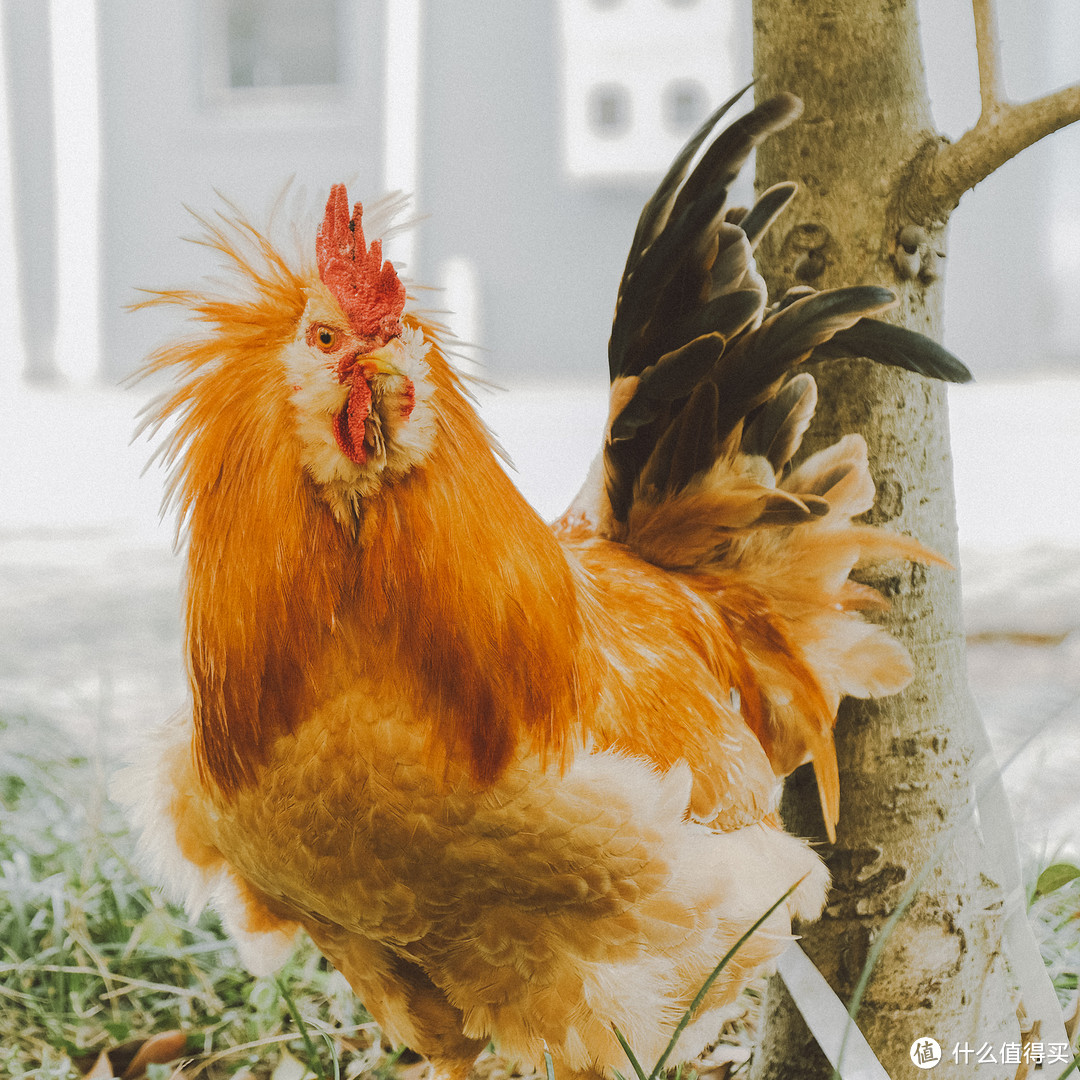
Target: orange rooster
[[516, 781]]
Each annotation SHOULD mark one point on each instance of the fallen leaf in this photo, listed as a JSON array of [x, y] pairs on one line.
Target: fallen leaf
[[129, 1060], [101, 1069], [157, 1050]]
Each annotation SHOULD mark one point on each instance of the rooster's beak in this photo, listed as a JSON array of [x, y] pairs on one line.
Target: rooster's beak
[[380, 361]]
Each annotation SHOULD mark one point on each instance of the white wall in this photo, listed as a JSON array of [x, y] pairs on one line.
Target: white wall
[[489, 148]]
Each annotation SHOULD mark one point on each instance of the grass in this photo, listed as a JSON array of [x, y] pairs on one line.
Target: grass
[[1054, 907], [90, 956]]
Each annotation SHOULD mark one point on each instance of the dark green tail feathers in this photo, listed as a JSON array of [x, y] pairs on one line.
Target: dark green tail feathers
[[712, 361]]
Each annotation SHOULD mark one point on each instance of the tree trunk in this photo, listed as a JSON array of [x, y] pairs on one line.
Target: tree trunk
[[907, 762]]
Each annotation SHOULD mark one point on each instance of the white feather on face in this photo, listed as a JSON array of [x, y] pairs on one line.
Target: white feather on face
[[398, 431]]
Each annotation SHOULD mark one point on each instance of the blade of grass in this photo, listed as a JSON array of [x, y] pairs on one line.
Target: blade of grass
[[826, 1015], [1074, 1064], [333, 1053], [235, 1051], [549, 1065], [25, 968], [629, 1053], [309, 1046], [707, 986], [385, 1068]]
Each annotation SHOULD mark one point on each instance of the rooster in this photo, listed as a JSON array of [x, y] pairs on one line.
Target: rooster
[[517, 781]]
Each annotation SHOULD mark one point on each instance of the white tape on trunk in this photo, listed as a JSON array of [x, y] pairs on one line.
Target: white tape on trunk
[[827, 1018]]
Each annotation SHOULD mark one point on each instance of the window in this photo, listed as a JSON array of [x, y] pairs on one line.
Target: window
[[686, 104], [638, 78], [276, 53], [609, 110], [281, 43]]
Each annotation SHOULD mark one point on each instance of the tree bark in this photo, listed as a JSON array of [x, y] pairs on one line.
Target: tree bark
[[906, 763]]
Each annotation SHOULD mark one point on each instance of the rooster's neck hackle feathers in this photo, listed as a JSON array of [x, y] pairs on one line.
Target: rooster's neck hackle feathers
[[260, 591], [279, 582]]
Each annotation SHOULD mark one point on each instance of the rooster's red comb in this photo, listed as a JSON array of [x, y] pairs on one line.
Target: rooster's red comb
[[368, 289]]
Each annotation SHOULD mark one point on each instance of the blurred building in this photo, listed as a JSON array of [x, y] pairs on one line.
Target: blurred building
[[530, 133], [28, 78], [236, 97], [544, 127], [529, 163]]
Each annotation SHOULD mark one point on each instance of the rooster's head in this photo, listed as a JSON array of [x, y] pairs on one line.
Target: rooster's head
[[359, 372]]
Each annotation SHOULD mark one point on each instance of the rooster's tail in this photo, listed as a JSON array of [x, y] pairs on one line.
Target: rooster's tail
[[706, 416]]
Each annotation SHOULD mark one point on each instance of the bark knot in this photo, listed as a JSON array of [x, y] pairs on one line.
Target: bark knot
[[916, 256], [808, 251]]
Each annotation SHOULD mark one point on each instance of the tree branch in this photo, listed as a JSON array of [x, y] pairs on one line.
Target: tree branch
[[939, 177], [988, 48], [942, 171]]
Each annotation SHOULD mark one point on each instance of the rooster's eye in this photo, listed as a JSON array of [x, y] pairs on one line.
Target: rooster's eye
[[324, 338]]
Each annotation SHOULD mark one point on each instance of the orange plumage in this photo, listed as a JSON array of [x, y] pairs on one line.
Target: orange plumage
[[517, 781]]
